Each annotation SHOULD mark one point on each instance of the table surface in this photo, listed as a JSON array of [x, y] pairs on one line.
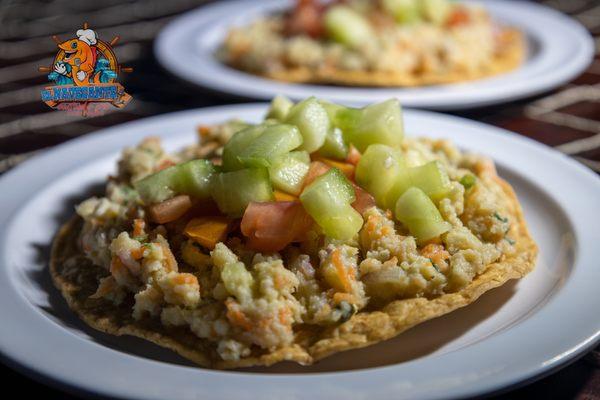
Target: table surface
[[567, 119]]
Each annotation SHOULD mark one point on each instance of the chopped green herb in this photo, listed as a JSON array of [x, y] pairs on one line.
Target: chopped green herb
[[142, 238], [500, 218], [509, 240], [468, 181]]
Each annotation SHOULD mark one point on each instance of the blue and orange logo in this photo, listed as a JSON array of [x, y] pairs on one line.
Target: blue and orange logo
[[85, 72]]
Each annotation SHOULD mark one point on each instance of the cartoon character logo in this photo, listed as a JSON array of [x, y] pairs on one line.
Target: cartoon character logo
[[85, 71]]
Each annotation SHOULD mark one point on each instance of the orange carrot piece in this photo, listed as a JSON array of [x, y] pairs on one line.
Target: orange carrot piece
[[283, 196], [346, 168], [338, 263], [138, 227], [208, 231]]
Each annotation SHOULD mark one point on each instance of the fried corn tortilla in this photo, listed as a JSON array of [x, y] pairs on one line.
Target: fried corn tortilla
[[78, 281], [508, 60]]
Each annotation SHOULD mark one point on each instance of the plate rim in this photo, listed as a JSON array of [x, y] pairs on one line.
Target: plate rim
[[567, 352], [449, 98]]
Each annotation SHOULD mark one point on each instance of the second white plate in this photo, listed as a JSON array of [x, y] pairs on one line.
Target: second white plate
[[559, 49]]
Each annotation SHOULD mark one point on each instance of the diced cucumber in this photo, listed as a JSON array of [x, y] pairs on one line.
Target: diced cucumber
[[334, 146], [280, 107], [430, 178], [288, 171], [344, 224], [377, 123], [157, 187], [193, 178], [414, 158], [276, 140], [236, 144], [418, 213], [404, 11], [328, 201], [313, 122], [346, 26], [332, 110], [233, 191], [436, 11], [377, 172]]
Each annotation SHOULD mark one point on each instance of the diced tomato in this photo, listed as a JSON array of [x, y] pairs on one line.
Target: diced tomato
[[353, 155], [306, 18], [317, 168], [459, 16], [271, 226], [363, 201]]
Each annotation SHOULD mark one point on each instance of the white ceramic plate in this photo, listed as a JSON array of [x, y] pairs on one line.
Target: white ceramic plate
[[559, 49], [511, 334]]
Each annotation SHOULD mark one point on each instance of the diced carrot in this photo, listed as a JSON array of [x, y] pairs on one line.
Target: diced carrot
[[353, 156], [237, 316], [170, 210], [138, 227], [170, 261], [437, 254], [271, 226], [283, 196], [203, 131], [138, 253], [208, 231], [346, 168], [338, 263], [185, 278]]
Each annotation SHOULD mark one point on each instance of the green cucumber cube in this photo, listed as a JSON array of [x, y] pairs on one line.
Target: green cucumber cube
[[276, 140], [328, 201], [436, 11], [377, 123], [280, 107], [346, 26], [378, 171], [239, 141], [334, 146], [404, 11], [233, 191], [313, 122], [193, 178], [288, 171], [157, 187], [419, 214]]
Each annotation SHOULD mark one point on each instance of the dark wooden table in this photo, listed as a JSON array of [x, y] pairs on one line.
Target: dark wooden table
[[567, 119]]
